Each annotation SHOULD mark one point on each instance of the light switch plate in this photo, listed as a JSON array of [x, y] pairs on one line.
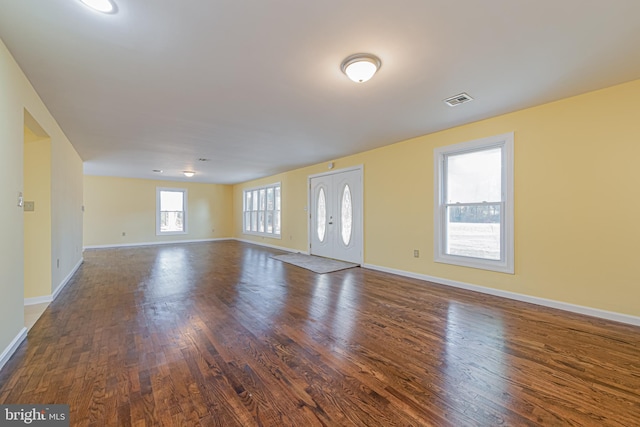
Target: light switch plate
[[29, 206]]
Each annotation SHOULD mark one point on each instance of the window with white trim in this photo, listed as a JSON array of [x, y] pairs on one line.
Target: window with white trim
[[171, 211], [474, 204], [261, 210]]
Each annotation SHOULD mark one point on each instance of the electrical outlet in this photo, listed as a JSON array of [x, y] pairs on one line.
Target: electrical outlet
[[416, 253]]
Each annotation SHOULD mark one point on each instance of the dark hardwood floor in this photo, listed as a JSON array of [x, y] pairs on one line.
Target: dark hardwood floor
[[220, 334]]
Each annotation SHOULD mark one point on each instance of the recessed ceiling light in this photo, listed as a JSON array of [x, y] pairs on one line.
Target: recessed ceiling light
[[189, 174], [157, 170], [104, 6], [361, 66], [202, 159]]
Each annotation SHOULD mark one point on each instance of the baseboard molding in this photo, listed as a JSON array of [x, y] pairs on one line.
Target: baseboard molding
[[12, 347], [38, 300], [594, 312], [67, 279], [280, 248], [49, 298], [170, 242]]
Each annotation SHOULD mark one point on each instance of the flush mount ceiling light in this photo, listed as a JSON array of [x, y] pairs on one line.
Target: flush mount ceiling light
[[361, 66], [104, 6], [188, 174]]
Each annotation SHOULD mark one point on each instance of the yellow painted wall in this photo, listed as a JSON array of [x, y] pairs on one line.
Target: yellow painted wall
[[117, 205], [17, 97], [576, 214], [37, 223]]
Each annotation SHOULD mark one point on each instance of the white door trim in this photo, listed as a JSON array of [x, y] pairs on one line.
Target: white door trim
[[360, 200]]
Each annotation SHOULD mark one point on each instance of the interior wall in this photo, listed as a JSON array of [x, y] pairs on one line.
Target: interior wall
[[575, 218], [66, 211], [37, 223], [114, 206], [17, 97]]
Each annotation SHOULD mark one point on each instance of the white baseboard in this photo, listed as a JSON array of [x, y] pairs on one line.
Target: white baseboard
[[66, 280], [12, 347], [167, 242], [594, 312], [38, 300], [281, 248], [49, 298]]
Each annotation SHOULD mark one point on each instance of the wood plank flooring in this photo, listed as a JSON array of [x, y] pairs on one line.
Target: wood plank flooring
[[220, 334]]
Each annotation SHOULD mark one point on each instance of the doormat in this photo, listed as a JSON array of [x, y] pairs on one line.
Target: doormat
[[316, 264]]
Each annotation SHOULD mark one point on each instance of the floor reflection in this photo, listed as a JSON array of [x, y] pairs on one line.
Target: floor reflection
[[171, 273], [331, 306], [261, 289], [474, 364]]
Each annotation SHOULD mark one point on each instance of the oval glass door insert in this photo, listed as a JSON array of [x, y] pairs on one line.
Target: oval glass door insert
[[321, 216], [346, 211]]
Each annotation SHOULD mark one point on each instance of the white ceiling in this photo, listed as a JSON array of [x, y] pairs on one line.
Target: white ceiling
[[256, 87]]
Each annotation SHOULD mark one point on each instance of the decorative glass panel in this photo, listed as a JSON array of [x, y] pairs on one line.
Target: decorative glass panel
[[346, 212], [321, 215]]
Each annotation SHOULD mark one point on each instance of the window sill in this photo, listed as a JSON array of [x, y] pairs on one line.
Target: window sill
[[257, 234], [497, 266]]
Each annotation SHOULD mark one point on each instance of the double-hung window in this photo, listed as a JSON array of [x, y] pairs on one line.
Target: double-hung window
[[474, 204], [261, 210], [171, 211]]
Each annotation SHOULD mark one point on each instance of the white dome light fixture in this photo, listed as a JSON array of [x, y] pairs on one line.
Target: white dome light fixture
[[189, 174], [103, 6], [361, 66]]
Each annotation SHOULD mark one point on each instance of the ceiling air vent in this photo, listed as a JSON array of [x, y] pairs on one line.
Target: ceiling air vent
[[458, 99]]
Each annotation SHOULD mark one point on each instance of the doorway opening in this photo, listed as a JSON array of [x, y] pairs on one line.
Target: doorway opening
[[37, 219]]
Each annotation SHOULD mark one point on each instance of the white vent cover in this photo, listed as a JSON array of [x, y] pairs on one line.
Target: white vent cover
[[458, 99]]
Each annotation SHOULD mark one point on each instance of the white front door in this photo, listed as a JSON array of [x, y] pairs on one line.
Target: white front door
[[336, 215]]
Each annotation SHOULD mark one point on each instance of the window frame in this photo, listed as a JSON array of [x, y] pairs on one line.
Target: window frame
[[506, 262], [184, 192], [264, 211]]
